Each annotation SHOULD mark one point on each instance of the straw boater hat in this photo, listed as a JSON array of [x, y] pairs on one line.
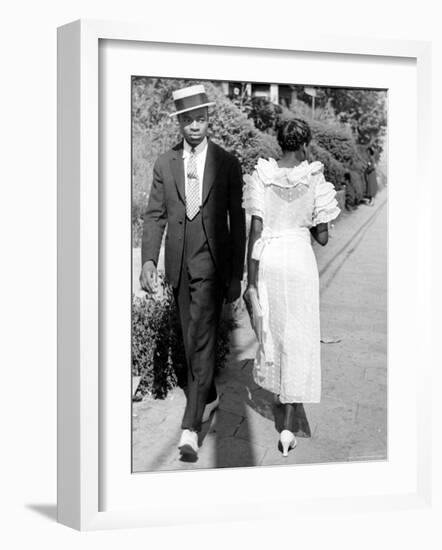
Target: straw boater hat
[[188, 99]]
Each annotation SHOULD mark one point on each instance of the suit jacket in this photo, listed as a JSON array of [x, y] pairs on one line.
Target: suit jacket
[[223, 217]]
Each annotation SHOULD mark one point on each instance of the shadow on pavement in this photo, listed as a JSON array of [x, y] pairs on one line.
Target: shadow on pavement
[[264, 403], [243, 433]]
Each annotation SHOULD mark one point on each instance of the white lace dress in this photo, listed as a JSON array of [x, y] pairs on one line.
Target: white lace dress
[[289, 201]]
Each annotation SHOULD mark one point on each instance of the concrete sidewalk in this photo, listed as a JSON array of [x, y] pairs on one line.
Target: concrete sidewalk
[[350, 423]]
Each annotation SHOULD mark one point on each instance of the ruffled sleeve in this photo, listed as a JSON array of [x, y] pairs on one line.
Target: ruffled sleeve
[[325, 205], [253, 195]]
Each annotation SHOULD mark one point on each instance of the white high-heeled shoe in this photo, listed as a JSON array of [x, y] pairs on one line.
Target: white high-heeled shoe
[[288, 441]]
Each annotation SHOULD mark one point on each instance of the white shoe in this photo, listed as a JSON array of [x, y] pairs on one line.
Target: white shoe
[[209, 408], [188, 444], [288, 441]]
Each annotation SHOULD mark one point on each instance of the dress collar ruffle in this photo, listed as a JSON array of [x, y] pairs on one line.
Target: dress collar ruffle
[[271, 174]]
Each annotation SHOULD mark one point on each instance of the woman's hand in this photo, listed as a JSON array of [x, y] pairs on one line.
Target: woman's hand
[[250, 294], [320, 233], [249, 290]]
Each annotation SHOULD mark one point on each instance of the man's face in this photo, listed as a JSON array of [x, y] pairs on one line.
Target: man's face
[[194, 125]]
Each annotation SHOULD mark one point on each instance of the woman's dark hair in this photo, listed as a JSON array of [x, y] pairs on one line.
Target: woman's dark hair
[[347, 176], [293, 133]]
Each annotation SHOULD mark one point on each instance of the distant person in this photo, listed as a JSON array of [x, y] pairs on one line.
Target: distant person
[[289, 200], [370, 177], [197, 193], [351, 195]]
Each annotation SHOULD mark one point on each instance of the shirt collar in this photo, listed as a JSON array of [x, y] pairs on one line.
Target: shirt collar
[[198, 149]]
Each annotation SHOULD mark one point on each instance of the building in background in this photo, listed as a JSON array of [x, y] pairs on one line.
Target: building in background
[[280, 94]]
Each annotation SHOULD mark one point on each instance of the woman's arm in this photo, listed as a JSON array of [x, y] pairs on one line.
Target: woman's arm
[[250, 295], [320, 233], [252, 265]]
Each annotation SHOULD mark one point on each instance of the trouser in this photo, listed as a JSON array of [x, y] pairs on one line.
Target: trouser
[[199, 297]]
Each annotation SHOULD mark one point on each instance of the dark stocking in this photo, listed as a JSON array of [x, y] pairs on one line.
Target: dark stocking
[[289, 414]]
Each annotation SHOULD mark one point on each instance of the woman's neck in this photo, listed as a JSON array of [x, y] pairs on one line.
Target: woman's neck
[[290, 159]]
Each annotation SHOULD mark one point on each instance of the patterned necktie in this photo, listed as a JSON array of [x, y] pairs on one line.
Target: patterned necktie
[[193, 187]]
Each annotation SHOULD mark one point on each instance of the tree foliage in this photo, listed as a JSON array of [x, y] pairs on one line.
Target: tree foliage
[[264, 113], [364, 110]]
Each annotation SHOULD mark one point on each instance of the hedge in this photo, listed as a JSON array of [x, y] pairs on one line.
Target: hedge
[[157, 344], [339, 142], [333, 170]]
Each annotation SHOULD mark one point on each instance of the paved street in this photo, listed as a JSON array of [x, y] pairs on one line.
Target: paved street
[[350, 423]]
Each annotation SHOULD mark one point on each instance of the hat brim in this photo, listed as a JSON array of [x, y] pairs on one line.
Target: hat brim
[[209, 104]]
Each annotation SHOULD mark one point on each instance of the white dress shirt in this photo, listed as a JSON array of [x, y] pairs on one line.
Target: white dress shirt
[[200, 152]]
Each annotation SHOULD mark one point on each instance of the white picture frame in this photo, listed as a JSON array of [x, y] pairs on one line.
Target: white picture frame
[[79, 292]]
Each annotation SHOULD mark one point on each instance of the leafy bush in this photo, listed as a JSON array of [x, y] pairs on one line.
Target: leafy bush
[[372, 127], [365, 111], [333, 170], [231, 129], [157, 344], [264, 113], [339, 142], [153, 132]]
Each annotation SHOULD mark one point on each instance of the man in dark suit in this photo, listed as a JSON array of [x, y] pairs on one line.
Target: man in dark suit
[[197, 193]]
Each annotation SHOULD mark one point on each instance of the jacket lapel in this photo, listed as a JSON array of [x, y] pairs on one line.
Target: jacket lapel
[[177, 166], [211, 168]]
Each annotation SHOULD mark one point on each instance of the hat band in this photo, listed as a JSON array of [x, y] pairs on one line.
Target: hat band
[[191, 102]]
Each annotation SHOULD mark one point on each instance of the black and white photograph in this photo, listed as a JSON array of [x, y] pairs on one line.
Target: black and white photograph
[[259, 274], [221, 292]]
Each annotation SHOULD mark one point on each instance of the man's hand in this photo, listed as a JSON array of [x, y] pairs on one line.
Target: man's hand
[[149, 277], [234, 291]]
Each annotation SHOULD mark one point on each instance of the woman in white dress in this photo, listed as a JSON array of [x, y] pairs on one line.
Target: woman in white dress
[[289, 200]]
